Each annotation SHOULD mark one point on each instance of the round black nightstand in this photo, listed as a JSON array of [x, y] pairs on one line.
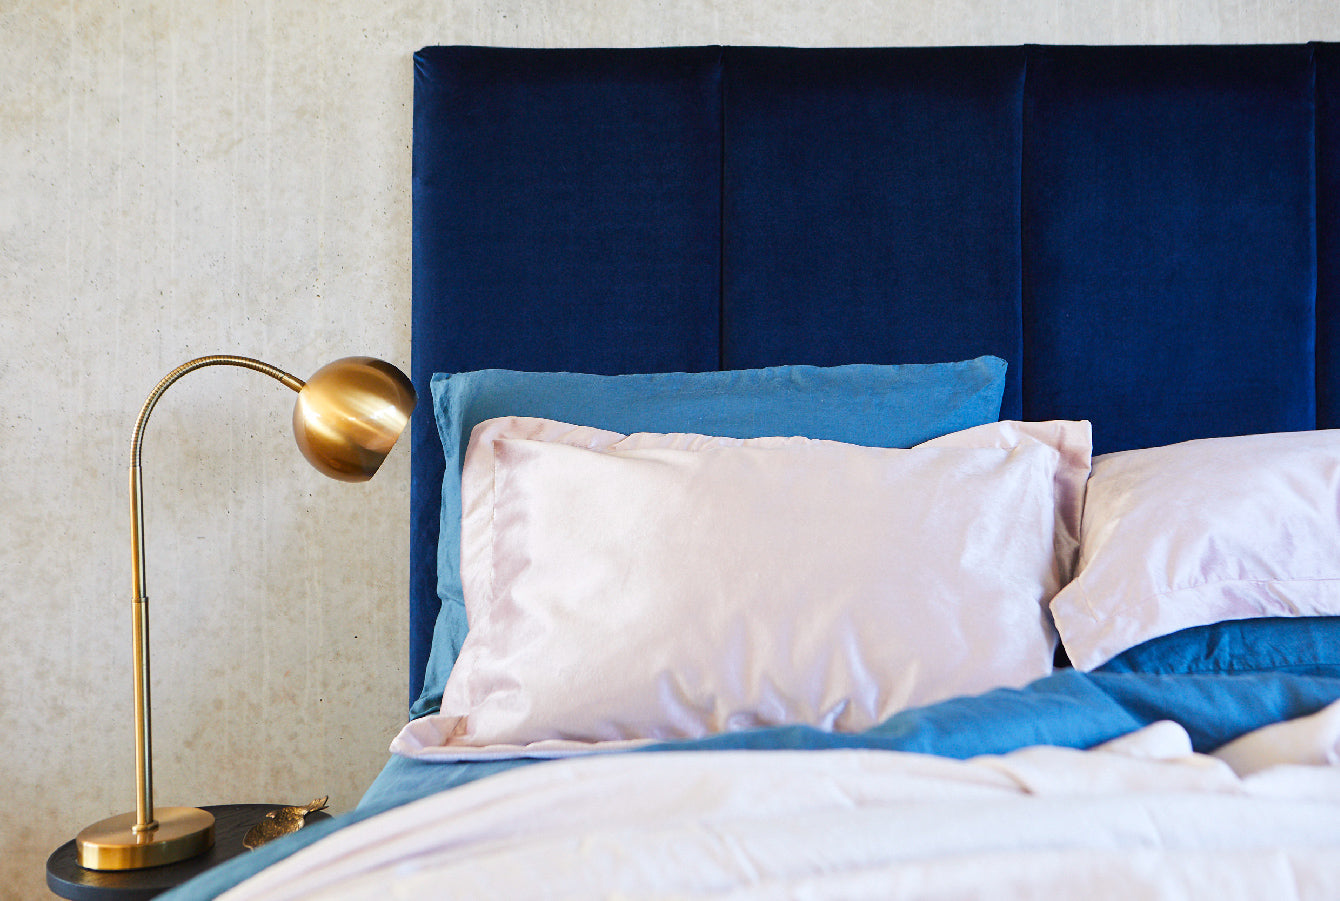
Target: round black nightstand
[[231, 822]]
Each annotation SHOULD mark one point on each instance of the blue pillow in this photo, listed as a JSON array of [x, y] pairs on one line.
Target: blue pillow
[[878, 406], [1305, 645]]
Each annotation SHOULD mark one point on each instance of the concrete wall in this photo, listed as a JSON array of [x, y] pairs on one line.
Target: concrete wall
[[233, 176]]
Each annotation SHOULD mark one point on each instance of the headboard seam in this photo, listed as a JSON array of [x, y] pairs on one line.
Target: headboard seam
[[721, 209], [1317, 387]]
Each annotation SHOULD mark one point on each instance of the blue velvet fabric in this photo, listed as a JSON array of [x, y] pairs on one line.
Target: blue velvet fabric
[[566, 217], [1168, 244], [871, 207], [1328, 236], [1150, 236]]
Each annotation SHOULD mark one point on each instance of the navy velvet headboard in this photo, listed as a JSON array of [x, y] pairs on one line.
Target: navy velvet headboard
[[1150, 236]]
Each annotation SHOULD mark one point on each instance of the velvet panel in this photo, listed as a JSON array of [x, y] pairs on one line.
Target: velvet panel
[[871, 207], [1328, 235], [566, 217], [1168, 241]]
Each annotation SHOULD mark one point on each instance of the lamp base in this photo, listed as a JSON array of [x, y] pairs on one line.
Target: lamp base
[[112, 844]]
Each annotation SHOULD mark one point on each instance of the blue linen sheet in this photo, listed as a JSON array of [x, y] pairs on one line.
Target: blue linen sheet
[[1068, 709]]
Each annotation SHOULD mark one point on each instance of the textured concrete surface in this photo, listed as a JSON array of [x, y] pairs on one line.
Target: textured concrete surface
[[185, 177]]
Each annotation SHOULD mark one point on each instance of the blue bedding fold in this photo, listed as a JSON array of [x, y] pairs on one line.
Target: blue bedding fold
[[1068, 709]]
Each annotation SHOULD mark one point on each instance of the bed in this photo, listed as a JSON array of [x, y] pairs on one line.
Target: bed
[[865, 473]]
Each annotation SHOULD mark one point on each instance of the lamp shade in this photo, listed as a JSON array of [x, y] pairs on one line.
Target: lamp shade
[[349, 414]]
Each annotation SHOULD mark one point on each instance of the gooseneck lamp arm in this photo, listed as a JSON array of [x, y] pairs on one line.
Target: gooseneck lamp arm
[[144, 783], [347, 418]]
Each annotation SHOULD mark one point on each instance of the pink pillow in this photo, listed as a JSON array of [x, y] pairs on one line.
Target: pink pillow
[[1201, 532], [671, 586]]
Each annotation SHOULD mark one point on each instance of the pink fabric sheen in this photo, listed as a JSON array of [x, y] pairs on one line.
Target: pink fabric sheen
[[1202, 532], [670, 586]]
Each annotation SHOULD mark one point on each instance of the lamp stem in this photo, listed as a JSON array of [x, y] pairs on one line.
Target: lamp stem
[[345, 421], [144, 782]]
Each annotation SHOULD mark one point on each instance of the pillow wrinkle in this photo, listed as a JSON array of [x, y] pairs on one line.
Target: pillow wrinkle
[[670, 586], [1203, 532]]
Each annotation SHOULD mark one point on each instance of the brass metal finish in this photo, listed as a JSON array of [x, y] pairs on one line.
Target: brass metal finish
[[115, 844], [349, 422], [281, 822], [349, 415]]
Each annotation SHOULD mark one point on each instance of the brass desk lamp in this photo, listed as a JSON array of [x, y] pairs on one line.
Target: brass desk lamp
[[347, 417]]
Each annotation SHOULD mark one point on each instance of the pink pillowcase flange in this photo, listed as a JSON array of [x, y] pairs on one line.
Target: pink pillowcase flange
[[624, 589]]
